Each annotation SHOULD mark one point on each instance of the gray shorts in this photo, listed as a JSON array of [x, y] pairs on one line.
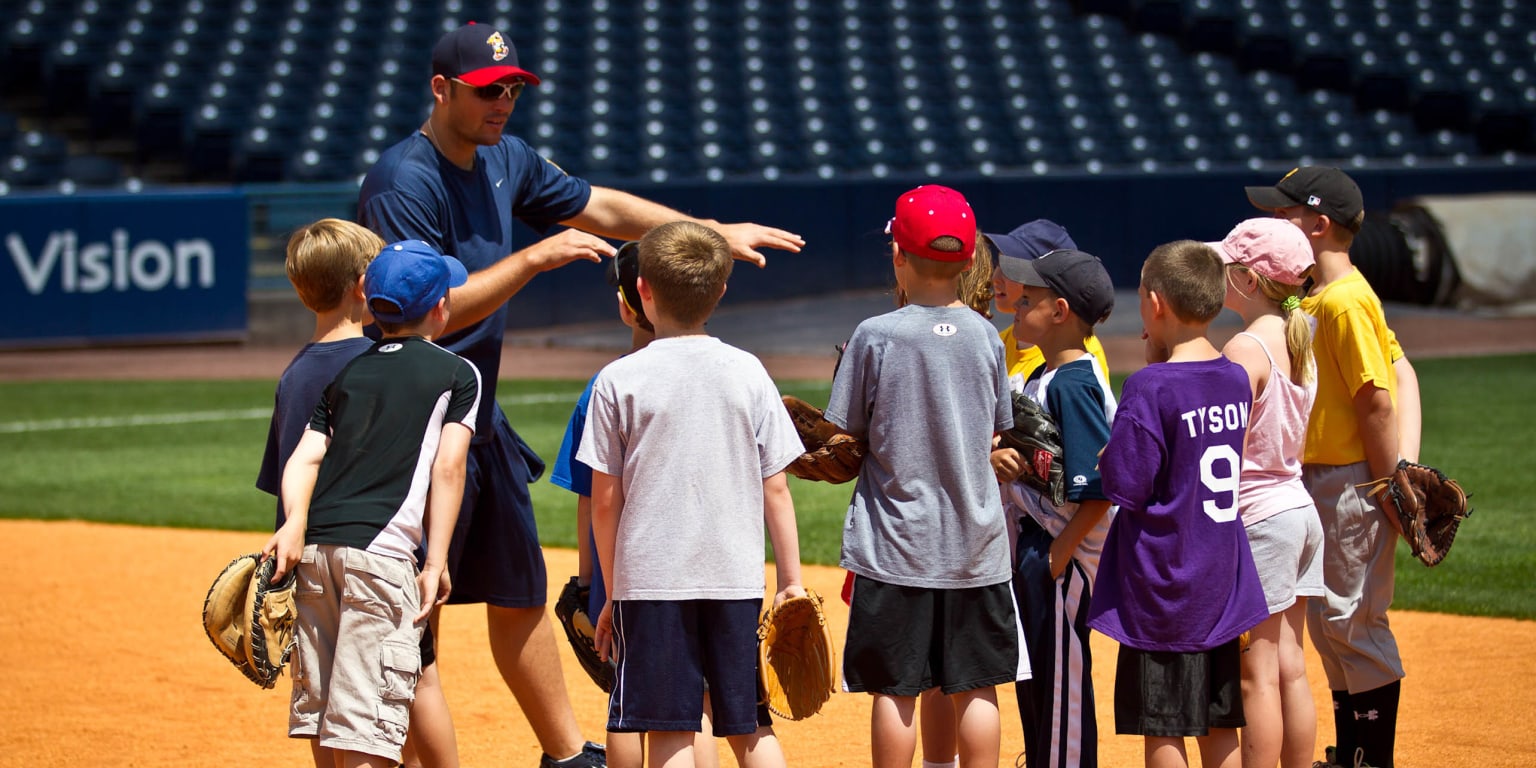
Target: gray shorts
[[1349, 625], [1288, 550], [358, 656]]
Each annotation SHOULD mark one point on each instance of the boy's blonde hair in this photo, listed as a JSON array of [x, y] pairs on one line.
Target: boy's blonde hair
[[686, 266], [1189, 276], [326, 258]]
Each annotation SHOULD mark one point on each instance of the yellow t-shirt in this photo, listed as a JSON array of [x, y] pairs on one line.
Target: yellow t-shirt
[[1354, 347], [1023, 362]]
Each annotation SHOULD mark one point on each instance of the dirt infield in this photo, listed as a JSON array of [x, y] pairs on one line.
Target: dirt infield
[[106, 662]]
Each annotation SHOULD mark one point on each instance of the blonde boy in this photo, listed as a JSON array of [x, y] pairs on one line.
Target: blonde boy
[[380, 467], [326, 261]]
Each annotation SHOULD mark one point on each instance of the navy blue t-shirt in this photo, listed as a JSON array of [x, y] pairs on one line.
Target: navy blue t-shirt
[[298, 392], [413, 192]]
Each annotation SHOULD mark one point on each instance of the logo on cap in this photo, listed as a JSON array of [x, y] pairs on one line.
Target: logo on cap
[[499, 48], [1314, 201]]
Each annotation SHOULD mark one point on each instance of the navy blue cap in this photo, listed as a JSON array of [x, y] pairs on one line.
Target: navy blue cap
[[479, 55], [1030, 240], [413, 276]]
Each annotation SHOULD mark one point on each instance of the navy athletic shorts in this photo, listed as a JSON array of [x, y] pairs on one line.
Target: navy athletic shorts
[[495, 556], [669, 649]]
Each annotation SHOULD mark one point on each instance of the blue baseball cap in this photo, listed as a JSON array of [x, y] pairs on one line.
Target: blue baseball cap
[[1027, 242], [1078, 277], [413, 276]]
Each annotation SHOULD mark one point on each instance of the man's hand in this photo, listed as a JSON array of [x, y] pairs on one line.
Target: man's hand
[[565, 247], [746, 238]]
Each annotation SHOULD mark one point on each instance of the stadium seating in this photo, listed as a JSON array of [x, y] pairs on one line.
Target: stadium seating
[[688, 90]]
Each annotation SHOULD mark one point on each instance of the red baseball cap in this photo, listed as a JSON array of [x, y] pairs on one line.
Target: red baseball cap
[[928, 213], [478, 55]]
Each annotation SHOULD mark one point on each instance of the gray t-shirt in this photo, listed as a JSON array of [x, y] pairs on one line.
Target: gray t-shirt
[[692, 426], [927, 387]]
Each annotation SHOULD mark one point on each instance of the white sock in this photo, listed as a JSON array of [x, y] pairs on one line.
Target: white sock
[[953, 762]]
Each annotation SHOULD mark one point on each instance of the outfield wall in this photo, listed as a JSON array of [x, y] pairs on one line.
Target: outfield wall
[[1117, 217]]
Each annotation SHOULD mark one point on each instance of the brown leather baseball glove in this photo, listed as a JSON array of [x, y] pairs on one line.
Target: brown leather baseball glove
[[831, 455], [1429, 506]]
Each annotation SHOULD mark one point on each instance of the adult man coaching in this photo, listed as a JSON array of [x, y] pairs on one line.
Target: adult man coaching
[[457, 184]]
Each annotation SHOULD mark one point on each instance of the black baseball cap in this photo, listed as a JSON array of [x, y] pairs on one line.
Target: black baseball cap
[[1078, 277], [479, 55], [1328, 191], [621, 273]]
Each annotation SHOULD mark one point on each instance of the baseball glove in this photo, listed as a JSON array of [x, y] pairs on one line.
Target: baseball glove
[[571, 610], [831, 455], [797, 662], [250, 619], [1037, 439], [1429, 505]]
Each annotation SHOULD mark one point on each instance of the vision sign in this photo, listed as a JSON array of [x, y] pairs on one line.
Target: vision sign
[[123, 267]]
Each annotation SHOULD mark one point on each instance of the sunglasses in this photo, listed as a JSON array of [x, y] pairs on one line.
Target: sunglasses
[[496, 91]]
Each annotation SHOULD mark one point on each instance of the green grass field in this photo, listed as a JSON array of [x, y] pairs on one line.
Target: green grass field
[[185, 454]]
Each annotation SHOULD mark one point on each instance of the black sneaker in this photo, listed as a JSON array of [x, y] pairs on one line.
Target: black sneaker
[[592, 755]]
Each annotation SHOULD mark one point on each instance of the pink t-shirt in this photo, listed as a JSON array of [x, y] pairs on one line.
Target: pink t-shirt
[[1277, 428]]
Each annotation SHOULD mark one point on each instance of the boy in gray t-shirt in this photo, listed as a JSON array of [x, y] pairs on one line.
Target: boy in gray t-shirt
[[925, 386], [688, 440]]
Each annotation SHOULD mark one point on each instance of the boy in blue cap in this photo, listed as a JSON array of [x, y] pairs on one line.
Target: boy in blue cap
[[394, 425]]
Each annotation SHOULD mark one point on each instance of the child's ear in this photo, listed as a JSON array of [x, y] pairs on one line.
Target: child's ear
[[1060, 310], [361, 292], [1155, 301], [644, 289]]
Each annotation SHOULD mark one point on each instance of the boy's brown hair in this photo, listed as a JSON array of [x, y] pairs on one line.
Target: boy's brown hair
[[933, 269], [1189, 276], [326, 258], [686, 266]]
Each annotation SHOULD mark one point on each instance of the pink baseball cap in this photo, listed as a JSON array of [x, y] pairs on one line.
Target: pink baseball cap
[[928, 213], [1274, 248]]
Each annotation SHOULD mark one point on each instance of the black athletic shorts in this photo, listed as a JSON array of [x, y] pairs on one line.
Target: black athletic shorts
[[495, 555], [904, 640], [1165, 693]]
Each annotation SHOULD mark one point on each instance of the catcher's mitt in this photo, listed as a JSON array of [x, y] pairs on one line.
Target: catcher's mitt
[[831, 455], [250, 619], [1430, 507], [571, 610], [1037, 439], [796, 659]]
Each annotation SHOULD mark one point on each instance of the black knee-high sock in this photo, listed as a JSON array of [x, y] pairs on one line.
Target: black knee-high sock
[[1343, 730], [1375, 713]]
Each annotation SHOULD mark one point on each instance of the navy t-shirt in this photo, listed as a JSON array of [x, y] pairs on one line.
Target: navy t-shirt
[[298, 391], [413, 192]]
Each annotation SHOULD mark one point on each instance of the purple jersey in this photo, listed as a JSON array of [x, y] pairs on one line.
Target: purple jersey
[[1177, 574]]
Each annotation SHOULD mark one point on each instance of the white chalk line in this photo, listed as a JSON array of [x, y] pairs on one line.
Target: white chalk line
[[193, 417]]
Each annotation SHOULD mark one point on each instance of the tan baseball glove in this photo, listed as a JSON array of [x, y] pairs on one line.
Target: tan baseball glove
[[797, 662], [250, 619], [831, 455]]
